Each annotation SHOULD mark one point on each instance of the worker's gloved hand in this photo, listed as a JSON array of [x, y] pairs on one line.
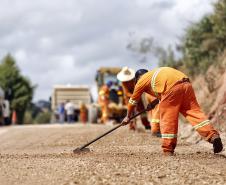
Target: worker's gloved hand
[[125, 121]]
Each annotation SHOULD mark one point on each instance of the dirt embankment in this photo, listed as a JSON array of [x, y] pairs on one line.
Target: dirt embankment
[[42, 155], [211, 91]]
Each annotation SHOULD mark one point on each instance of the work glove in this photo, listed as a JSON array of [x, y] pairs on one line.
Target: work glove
[[126, 121]]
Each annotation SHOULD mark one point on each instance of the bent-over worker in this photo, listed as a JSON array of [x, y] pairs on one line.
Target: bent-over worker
[[176, 95]]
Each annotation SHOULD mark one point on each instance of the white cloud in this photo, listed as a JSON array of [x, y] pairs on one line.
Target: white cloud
[[21, 56], [46, 43], [60, 42]]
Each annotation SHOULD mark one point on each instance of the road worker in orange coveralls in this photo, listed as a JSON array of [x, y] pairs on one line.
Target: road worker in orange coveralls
[[127, 77], [103, 100], [83, 113], [176, 95]]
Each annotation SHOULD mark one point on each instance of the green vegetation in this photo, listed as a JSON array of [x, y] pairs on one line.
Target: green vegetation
[[28, 119], [43, 117], [202, 44], [200, 47], [35, 115], [18, 89], [167, 57]]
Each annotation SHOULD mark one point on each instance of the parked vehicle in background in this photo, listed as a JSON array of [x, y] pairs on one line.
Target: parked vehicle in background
[[82, 95], [76, 94]]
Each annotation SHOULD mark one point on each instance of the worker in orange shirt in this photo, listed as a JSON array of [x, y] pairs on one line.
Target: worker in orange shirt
[[154, 117], [103, 100], [176, 95], [127, 77], [83, 113]]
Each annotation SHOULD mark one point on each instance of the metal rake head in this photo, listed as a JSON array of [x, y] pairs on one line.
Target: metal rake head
[[81, 150]]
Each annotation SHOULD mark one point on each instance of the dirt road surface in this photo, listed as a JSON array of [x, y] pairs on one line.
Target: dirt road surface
[[43, 155]]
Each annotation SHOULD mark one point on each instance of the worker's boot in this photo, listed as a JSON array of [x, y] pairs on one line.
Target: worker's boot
[[217, 144], [148, 127]]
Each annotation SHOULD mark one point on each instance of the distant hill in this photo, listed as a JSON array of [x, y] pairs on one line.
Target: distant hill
[[43, 104]]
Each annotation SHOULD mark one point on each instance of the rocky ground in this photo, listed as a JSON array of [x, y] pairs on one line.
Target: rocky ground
[[43, 155]]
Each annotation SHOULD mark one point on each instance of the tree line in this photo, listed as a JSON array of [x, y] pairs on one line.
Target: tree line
[[199, 48], [204, 41], [17, 88]]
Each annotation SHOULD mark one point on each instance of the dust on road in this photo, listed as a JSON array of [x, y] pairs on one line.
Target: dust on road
[[43, 155]]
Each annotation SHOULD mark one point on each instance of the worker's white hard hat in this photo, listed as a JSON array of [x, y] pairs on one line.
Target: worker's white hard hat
[[126, 74]]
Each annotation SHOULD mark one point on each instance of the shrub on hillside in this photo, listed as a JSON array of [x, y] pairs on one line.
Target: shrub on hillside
[[43, 117], [28, 118]]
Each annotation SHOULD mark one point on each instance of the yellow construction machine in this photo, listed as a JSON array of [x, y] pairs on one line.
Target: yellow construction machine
[[117, 109]]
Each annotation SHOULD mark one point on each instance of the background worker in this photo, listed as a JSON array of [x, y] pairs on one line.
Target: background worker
[[61, 112], [176, 95], [127, 77], [70, 111], [83, 112], [6, 112], [154, 117], [103, 100]]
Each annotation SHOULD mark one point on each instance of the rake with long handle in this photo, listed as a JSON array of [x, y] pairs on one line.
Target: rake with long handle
[[83, 147]]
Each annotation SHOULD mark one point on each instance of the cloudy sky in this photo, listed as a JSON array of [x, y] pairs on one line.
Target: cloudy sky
[[65, 41]]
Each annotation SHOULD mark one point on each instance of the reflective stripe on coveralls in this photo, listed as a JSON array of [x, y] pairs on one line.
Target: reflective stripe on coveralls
[[153, 81], [157, 121], [202, 124], [133, 102], [168, 136]]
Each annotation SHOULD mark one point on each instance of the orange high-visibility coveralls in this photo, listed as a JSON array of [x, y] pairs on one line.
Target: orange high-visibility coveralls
[[83, 113], [128, 88], [154, 116], [177, 96], [103, 100]]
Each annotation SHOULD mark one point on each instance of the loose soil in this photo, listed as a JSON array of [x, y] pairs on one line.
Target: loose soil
[[43, 155]]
